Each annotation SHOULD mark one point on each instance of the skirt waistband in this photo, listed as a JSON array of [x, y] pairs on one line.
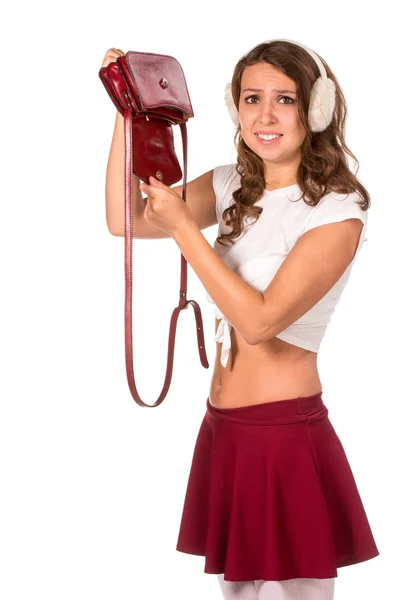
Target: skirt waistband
[[278, 412]]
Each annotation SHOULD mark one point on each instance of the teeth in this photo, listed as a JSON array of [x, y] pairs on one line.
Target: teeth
[[267, 137]]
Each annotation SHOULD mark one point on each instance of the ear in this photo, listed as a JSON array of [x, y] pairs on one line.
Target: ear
[[231, 105]]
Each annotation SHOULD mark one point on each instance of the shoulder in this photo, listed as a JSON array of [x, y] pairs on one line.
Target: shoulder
[[225, 181], [225, 175], [335, 207]]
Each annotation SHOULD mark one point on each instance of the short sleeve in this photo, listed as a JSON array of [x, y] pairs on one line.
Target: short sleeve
[[334, 208], [223, 176]]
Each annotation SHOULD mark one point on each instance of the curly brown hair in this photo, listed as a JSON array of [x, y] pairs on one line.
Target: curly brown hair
[[323, 167]]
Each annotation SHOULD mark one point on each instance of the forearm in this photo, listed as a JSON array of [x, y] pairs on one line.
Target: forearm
[[240, 303], [115, 184]]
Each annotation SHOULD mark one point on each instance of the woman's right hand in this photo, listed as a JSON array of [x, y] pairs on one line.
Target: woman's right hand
[[111, 56]]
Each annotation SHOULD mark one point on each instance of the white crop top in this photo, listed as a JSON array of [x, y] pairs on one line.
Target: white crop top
[[258, 252]]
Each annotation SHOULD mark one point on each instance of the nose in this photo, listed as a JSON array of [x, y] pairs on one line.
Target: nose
[[266, 111]]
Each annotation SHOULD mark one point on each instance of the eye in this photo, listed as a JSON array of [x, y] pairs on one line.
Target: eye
[[288, 98], [256, 96], [249, 98]]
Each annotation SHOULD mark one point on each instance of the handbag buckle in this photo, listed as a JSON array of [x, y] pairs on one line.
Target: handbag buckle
[[183, 295]]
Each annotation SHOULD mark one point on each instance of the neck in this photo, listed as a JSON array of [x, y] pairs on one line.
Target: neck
[[270, 187], [280, 175]]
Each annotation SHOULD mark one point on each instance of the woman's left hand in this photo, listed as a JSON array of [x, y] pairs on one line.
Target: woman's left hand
[[165, 208]]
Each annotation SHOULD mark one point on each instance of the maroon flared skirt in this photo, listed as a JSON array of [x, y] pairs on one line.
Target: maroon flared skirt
[[271, 494]]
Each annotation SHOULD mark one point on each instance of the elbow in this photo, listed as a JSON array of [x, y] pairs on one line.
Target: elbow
[[259, 335], [114, 230], [259, 329], [111, 229]]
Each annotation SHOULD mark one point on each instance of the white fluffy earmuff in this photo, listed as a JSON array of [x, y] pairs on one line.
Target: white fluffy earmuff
[[322, 100]]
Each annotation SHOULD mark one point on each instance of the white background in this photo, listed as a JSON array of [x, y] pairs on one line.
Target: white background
[[92, 485]]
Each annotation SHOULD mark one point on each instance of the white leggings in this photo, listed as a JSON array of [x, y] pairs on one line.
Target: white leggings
[[289, 589]]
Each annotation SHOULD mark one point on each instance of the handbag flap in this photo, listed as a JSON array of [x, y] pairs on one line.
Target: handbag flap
[[159, 81]]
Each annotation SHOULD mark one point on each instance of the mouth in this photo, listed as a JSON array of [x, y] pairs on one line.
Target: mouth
[[268, 142]]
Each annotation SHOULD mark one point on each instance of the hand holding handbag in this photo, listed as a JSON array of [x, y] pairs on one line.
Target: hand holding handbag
[[150, 91]]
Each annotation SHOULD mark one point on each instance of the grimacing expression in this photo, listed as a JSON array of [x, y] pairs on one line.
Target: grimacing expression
[[270, 105]]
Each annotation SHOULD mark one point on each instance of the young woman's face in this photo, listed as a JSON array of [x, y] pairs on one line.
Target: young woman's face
[[268, 109]]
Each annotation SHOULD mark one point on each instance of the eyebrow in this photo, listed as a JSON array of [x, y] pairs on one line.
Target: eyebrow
[[274, 90]]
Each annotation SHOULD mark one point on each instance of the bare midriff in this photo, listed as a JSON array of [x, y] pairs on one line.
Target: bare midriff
[[267, 372]]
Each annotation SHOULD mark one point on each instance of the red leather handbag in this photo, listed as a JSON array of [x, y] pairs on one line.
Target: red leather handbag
[[150, 91]]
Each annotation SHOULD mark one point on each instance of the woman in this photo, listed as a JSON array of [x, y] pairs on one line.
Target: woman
[[271, 501]]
